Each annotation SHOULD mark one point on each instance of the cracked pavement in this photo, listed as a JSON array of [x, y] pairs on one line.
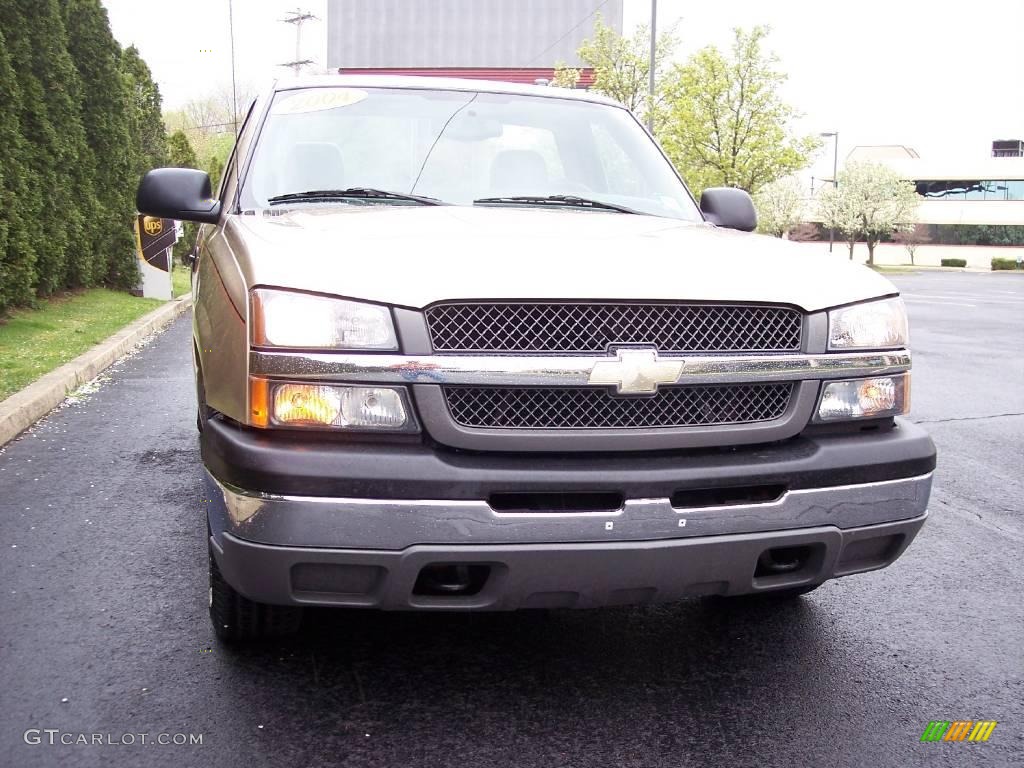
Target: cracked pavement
[[103, 601]]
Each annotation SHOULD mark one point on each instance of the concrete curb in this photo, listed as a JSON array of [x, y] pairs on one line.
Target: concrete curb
[[23, 409]]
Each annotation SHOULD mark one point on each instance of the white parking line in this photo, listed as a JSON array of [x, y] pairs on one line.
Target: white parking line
[[916, 300]]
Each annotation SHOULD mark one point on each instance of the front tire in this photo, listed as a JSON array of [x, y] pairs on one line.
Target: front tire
[[237, 619]]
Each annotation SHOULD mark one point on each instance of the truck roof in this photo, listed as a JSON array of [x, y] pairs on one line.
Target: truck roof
[[439, 84]]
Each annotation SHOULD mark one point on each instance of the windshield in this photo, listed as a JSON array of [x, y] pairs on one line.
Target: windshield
[[460, 148]]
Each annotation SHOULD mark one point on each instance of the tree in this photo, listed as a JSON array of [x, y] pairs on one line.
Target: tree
[[870, 201], [565, 76], [839, 213], [780, 206], [179, 151], [727, 124], [209, 117], [71, 142], [219, 151], [57, 155], [180, 155], [208, 123], [103, 103], [911, 239], [19, 200], [148, 139], [622, 66], [146, 127]]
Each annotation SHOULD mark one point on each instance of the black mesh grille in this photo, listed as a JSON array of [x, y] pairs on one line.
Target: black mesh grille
[[593, 408], [520, 327]]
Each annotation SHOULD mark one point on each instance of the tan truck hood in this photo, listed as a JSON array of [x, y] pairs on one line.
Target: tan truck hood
[[414, 256]]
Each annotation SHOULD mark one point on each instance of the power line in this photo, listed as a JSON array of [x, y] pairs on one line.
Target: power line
[[228, 124], [573, 29]]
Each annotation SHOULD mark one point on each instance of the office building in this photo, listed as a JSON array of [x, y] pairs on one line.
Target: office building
[[512, 40]]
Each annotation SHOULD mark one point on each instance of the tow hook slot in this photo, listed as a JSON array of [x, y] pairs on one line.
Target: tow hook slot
[[451, 579], [779, 561]]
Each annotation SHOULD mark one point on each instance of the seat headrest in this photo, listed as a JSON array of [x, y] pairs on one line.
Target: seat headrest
[[519, 172], [313, 165]]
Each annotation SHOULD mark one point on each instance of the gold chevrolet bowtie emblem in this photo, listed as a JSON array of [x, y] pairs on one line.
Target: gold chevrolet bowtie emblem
[[636, 371]]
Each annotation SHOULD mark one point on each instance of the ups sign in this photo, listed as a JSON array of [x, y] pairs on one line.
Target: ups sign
[[156, 237]]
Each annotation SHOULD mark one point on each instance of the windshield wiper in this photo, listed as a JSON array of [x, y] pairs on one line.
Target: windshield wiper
[[364, 193], [565, 201]]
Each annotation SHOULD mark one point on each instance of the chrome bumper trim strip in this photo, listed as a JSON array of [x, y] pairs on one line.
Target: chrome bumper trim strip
[[546, 370]]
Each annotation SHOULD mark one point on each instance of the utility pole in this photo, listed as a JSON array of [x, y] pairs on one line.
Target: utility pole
[[654, 47], [298, 17]]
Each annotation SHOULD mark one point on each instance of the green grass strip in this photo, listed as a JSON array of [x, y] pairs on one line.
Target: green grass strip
[[35, 341]]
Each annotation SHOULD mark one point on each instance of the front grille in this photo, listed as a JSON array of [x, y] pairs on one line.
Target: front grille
[[551, 328], [593, 408]]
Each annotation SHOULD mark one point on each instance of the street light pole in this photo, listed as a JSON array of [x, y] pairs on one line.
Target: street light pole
[[654, 46], [835, 177]]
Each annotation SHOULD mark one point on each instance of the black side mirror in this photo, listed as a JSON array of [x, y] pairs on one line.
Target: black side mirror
[[178, 193], [730, 208]]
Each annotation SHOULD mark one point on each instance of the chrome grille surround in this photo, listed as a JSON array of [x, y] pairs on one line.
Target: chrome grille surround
[[594, 327], [429, 375], [583, 408]]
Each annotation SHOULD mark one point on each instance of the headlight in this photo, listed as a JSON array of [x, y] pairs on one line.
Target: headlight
[[872, 325], [865, 398], [289, 319], [287, 404]]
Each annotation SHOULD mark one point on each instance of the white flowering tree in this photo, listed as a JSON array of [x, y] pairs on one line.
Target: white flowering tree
[[839, 213], [565, 76], [780, 206], [871, 201], [622, 67]]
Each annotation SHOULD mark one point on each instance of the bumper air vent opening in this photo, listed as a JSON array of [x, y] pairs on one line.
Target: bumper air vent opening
[[870, 553], [525, 503], [740, 495]]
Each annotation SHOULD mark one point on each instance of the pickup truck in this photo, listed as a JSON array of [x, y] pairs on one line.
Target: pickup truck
[[463, 345]]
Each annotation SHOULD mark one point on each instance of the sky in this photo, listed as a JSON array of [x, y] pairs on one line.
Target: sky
[[941, 76]]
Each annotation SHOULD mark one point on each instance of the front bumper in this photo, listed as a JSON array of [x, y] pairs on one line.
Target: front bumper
[[555, 575], [371, 518]]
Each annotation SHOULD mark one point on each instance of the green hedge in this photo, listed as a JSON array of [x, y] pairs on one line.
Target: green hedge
[[954, 262], [79, 123], [999, 264]]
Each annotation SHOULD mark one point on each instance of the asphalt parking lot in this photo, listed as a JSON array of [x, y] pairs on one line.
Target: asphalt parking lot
[[105, 629]]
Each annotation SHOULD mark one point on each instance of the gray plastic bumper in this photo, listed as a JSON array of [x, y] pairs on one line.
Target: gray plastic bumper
[[577, 575]]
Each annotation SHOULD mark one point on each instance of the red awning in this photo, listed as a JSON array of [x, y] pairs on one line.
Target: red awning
[[503, 74]]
